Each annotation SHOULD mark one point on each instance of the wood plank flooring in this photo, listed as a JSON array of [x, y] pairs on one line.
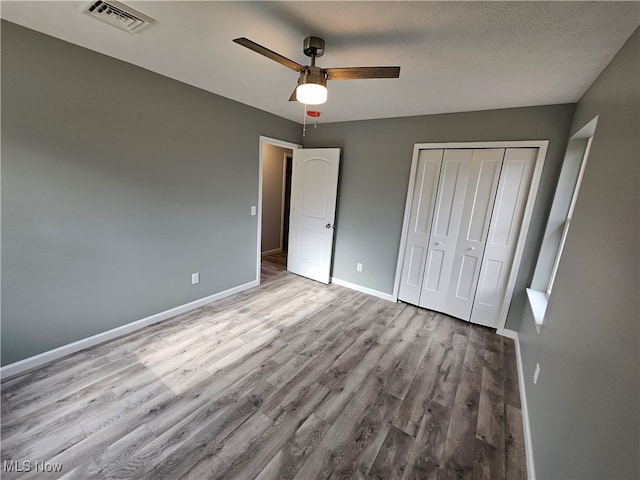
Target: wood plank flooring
[[291, 380]]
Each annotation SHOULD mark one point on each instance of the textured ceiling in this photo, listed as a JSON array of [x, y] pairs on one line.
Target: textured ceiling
[[455, 56]]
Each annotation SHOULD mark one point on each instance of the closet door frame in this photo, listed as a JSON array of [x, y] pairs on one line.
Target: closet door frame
[[542, 146]]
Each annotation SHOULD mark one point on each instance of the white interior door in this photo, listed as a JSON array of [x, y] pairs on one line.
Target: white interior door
[[454, 176], [474, 226], [422, 201], [314, 184], [506, 224]]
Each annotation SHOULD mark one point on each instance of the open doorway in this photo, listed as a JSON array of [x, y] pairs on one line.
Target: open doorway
[[276, 160], [276, 179]]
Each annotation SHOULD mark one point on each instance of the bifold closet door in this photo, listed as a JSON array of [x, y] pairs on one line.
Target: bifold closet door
[[506, 224], [477, 208], [423, 199], [445, 227], [465, 221]]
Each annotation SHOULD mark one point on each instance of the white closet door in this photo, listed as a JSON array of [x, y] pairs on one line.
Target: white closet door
[[474, 226], [450, 199], [513, 191], [422, 201]]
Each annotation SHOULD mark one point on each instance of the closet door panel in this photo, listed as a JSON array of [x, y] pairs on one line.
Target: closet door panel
[[511, 198], [421, 215], [464, 286], [475, 220], [447, 214], [434, 267]]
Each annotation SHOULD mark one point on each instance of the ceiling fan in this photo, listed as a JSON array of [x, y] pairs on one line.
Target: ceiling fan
[[312, 82]]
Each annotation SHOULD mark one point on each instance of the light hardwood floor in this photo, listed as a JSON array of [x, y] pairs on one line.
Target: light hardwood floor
[[293, 379]]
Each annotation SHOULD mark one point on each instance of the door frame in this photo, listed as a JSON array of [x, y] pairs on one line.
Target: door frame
[[542, 146], [286, 179], [263, 140]]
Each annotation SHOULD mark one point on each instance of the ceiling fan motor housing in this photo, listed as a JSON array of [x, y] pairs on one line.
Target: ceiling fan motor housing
[[313, 47], [312, 75]]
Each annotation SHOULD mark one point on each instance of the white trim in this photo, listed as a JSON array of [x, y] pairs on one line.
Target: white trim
[[526, 426], [524, 229], [572, 206], [41, 359], [542, 146], [538, 302], [497, 144], [589, 130], [277, 143], [360, 288], [405, 221]]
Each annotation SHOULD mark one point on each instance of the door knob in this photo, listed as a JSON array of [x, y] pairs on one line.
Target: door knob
[[328, 225], [471, 249], [438, 243]]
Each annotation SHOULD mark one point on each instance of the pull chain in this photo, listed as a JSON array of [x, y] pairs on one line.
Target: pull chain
[[304, 121], [315, 114]]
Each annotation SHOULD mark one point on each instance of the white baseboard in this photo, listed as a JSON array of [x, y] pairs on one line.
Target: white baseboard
[[41, 359], [512, 334], [360, 288], [271, 252], [528, 445]]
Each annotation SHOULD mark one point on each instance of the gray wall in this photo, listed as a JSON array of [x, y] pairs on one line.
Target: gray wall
[[376, 159], [117, 184], [585, 408]]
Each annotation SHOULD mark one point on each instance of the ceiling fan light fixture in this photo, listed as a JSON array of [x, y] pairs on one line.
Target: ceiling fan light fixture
[[312, 87], [311, 94]]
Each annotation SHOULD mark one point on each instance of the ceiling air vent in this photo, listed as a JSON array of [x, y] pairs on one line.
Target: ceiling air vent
[[119, 15]]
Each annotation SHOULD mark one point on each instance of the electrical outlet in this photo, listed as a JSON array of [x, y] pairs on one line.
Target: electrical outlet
[[536, 372], [358, 267], [195, 278], [254, 210]]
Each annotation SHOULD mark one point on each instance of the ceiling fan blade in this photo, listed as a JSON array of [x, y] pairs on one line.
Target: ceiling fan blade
[[245, 42], [353, 73]]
